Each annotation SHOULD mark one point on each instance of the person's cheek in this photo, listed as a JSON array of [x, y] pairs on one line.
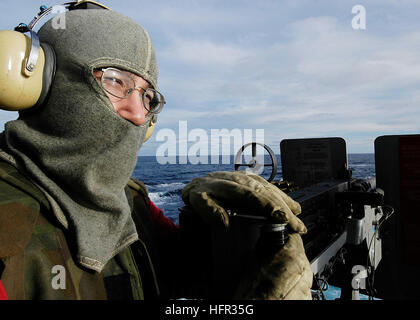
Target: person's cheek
[[115, 103]]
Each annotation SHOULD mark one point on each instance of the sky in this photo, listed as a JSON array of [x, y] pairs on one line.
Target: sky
[[296, 69]]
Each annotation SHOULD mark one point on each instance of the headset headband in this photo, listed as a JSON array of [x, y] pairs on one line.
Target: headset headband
[[44, 11]]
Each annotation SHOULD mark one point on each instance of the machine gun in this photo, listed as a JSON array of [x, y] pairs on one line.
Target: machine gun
[[342, 215]]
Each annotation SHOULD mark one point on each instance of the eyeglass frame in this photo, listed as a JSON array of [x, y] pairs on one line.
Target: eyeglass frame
[[132, 90]]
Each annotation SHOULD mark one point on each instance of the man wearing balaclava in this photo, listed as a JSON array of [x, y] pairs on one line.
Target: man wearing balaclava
[[73, 224]]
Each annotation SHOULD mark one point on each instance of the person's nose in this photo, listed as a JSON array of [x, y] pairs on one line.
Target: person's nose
[[133, 109]]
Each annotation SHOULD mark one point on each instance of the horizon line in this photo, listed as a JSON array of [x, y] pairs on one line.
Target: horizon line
[[277, 154]]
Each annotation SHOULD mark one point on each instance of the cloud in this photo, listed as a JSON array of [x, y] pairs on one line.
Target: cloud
[[203, 53], [295, 68], [307, 73]]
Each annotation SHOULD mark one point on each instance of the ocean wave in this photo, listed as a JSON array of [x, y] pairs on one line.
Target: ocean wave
[[167, 186], [166, 192]]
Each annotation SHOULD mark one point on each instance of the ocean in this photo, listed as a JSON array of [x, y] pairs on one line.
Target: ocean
[[165, 183]]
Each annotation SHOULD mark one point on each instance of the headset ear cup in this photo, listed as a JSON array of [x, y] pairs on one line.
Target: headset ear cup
[[19, 90], [48, 74]]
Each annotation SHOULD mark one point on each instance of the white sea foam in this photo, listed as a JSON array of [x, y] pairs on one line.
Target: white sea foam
[[165, 192], [170, 186]]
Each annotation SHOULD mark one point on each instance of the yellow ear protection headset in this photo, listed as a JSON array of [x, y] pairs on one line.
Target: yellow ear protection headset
[[27, 67]]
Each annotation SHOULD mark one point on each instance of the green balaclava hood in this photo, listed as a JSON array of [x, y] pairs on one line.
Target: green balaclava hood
[[74, 146]]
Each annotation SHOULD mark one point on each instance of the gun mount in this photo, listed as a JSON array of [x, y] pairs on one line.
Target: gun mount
[[351, 240]]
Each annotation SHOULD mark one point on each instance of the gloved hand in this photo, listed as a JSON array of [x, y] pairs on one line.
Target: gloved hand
[[237, 190], [285, 274]]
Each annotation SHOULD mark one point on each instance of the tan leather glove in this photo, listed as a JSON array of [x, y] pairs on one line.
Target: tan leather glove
[[287, 273], [237, 190]]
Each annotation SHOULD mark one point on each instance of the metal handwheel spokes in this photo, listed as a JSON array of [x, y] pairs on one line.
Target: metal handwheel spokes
[[254, 165]]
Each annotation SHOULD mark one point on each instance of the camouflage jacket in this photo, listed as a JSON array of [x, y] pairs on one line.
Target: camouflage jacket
[[37, 254]]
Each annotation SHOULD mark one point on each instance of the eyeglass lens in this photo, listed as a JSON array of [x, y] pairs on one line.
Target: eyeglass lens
[[121, 85]]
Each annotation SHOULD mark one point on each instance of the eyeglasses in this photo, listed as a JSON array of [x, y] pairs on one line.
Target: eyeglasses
[[120, 84]]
